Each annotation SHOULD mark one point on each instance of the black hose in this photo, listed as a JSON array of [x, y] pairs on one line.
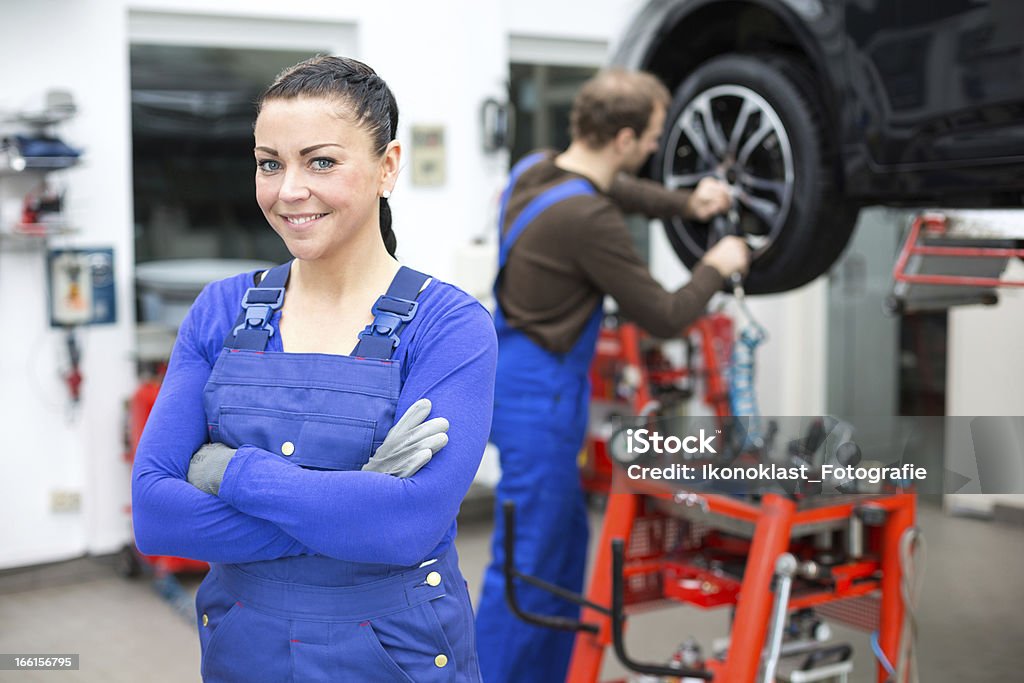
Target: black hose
[[511, 574], [618, 620]]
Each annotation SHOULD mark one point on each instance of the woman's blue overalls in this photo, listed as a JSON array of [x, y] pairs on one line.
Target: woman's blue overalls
[[315, 618], [541, 409]]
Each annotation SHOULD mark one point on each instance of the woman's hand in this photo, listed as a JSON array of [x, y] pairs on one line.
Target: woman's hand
[[206, 469], [411, 443]]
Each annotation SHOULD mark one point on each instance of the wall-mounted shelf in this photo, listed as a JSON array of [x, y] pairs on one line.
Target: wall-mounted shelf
[[12, 163], [58, 107], [22, 236], [26, 159], [40, 163], [50, 229], [43, 118]]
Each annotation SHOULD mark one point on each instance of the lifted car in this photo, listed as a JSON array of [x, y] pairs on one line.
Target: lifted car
[[811, 109]]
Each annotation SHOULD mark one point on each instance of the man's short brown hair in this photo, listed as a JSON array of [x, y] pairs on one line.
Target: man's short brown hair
[[612, 100]]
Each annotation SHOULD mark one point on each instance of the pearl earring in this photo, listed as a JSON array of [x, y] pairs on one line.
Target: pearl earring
[[386, 194]]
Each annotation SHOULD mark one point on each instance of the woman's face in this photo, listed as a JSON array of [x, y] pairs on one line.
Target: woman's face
[[318, 178]]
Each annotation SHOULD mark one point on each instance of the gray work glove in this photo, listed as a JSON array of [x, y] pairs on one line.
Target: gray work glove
[[411, 443], [206, 469]]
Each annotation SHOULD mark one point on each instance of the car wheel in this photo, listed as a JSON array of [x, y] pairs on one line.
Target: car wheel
[[756, 123]]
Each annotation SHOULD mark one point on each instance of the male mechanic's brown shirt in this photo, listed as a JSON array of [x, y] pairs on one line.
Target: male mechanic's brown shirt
[[580, 249]]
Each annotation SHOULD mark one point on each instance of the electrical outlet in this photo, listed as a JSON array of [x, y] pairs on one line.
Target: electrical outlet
[[65, 501]]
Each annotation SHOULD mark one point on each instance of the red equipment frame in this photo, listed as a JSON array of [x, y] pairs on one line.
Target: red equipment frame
[[936, 224], [619, 348], [774, 519]]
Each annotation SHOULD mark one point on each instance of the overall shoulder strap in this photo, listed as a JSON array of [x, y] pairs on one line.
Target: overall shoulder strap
[[252, 329], [391, 312], [540, 203], [518, 169]]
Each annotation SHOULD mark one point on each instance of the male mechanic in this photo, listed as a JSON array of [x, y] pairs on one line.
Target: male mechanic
[[564, 246]]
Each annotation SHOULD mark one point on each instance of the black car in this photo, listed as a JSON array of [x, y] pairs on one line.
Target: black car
[[814, 108]]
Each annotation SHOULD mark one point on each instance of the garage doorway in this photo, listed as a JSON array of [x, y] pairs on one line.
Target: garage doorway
[[542, 96], [192, 163], [194, 82]]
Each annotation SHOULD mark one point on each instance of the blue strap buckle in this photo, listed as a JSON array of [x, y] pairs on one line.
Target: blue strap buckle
[[402, 309], [259, 304], [389, 314]]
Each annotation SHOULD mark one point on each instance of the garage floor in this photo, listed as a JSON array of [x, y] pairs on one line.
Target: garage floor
[[970, 628]]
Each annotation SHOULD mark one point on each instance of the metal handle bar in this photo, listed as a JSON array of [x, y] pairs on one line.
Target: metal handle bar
[[618, 618], [511, 574]]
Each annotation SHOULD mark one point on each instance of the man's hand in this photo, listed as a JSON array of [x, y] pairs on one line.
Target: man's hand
[[206, 469], [729, 255], [411, 443], [710, 198]]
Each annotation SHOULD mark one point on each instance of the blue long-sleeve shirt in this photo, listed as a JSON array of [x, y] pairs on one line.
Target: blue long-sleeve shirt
[[268, 508]]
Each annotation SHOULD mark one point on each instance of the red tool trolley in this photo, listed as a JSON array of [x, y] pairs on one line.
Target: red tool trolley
[[719, 551]]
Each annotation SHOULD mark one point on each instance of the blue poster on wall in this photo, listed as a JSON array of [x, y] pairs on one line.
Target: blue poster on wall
[[82, 288]]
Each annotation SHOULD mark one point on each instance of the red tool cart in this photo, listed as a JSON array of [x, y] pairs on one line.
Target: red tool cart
[[719, 551], [775, 561]]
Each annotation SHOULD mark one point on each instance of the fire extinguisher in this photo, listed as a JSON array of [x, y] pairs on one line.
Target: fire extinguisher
[[73, 375]]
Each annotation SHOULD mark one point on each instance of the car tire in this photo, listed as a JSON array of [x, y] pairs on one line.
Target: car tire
[[778, 156]]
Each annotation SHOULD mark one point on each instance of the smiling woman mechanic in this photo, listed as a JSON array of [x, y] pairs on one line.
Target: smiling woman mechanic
[[331, 555]]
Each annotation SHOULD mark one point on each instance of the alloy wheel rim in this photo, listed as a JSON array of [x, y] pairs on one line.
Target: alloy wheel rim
[[755, 157]]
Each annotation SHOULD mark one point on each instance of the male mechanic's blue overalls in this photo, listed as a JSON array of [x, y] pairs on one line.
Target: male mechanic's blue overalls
[[540, 419], [315, 618]]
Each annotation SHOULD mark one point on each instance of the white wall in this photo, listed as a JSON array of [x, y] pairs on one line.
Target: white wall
[[985, 375], [986, 362], [442, 64], [599, 20], [440, 76]]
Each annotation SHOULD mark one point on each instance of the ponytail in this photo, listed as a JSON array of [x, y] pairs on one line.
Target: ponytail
[[386, 232]]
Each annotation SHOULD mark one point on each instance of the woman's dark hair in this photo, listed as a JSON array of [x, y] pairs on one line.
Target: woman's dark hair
[[367, 99]]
